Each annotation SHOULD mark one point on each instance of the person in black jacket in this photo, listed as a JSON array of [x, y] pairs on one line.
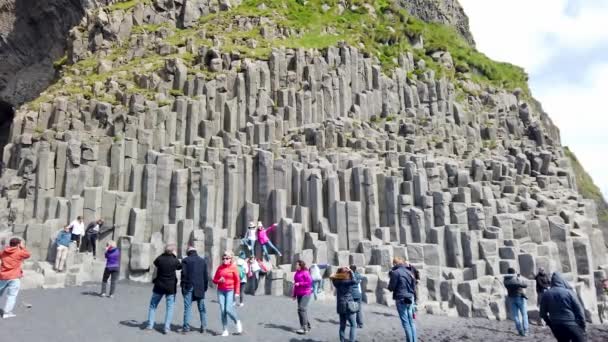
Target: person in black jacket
[[562, 311], [195, 281], [165, 284], [543, 283], [347, 307], [402, 283], [517, 300]]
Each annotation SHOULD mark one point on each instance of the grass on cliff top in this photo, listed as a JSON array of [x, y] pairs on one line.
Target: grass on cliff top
[[385, 34], [587, 188]]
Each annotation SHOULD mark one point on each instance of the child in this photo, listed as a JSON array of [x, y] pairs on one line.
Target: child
[[253, 273], [241, 264], [250, 238], [317, 278], [265, 241]]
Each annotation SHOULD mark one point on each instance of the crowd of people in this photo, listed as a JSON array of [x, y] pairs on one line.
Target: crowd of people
[[560, 308]]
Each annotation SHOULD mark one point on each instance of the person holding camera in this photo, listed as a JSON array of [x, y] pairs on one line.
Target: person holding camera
[[402, 283], [517, 300], [12, 258]]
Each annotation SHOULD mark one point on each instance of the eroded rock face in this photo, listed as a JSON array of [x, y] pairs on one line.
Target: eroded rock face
[[448, 12], [32, 36]]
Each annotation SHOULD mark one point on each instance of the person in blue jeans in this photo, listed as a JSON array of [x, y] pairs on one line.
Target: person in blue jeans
[[317, 278], [195, 281], [165, 284], [346, 306], [402, 283], [517, 300]]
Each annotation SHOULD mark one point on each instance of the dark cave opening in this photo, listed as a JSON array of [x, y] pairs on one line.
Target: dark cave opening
[[7, 113]]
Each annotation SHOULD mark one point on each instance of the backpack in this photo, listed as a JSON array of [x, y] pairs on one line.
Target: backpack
[[242, 273]]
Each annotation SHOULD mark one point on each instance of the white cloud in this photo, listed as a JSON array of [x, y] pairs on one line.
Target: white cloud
[[541, 35]]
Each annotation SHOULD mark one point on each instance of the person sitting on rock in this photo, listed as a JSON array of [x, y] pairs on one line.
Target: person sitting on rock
[[195, 281], [562, 311], [265, 241], [165, 284], [402, 283], [250, 238], [112, 269], [11, 259], [63, 240], [77, 229], [517, 300]]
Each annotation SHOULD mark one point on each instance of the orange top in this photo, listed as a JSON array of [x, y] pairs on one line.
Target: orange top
[[12, 258], [232, 281]]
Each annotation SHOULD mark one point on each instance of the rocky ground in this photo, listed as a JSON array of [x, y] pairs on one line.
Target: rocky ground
[[78, 314]]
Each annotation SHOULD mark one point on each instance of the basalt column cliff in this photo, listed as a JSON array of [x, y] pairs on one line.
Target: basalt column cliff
[[366, 129]]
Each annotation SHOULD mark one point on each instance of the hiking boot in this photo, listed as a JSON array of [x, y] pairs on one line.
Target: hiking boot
[[202, 330]]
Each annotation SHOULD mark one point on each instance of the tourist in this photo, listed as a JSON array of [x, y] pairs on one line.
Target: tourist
[[165, 284], [265, 241], [63, 240], [250, 238], [253, 274], [317, 278], [402, 283], [91, 235], [11, 260], [77, 229], [562, 311], [357, 295], [228, 286], [347, 307], [302, 289], [543, 283], [195, 280], [242, 266], [112, 269], [517, 300]]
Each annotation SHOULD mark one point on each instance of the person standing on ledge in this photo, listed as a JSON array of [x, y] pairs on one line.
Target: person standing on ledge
[[562, 311], [517, 300], [165, 284], [195, 281], [63, 240], [77, 229], [250, 238], [91, 235], [12, 258], [265, 241], [112, 268], [402, 283]]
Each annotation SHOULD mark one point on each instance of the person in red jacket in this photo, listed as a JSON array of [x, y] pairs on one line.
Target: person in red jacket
[[228, 287], [10, 273]]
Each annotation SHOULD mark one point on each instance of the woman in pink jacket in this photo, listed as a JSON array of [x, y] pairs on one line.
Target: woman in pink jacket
[[265, 241], [302, 289]]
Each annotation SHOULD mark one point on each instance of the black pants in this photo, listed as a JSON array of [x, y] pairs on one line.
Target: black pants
[[107, 273], [92, 243], [77, 238], [568, 332], [303, 311]]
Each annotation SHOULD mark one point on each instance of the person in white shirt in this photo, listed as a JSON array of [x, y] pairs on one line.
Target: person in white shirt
[[77, 229], [251, 236]]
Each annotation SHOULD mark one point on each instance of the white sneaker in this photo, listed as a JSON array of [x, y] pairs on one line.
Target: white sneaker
[[242, 304], [8, 315], [225, 333], [239, 327]]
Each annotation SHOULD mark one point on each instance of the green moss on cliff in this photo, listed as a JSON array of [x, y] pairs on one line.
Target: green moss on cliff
[[587, 188]]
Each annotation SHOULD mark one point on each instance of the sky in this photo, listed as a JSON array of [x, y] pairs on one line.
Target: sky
[[563, 45]]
